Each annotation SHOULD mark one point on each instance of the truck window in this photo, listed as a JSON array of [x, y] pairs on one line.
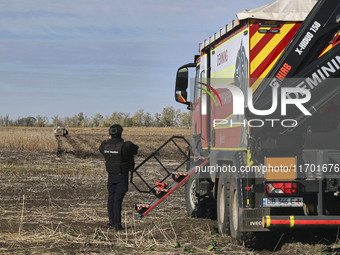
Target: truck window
[[198, 78]]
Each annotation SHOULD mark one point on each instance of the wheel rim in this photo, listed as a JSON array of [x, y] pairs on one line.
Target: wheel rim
[[222, 205], [235, 210], [192, 194]]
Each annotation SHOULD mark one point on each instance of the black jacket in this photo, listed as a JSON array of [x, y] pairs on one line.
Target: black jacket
[[116, 164]]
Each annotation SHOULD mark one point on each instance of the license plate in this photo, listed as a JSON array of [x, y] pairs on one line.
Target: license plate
[[282, 201]]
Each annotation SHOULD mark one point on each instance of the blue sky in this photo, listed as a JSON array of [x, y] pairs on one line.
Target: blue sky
[[62, 57]]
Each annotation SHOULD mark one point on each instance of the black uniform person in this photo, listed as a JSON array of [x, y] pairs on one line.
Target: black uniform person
[[119, 161]]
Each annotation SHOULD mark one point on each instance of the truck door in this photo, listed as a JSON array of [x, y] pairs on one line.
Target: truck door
[[200, 108]]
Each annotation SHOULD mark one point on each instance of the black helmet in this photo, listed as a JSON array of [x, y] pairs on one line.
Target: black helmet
[[116, 130]]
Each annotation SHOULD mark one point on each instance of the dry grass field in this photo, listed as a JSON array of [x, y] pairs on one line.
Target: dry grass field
[[53, 201]]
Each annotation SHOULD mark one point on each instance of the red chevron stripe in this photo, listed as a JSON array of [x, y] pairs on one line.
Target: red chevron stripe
[[277, 50], [260, 45]]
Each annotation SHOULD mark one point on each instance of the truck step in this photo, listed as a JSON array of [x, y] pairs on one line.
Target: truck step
[[141, 208], [161, 192], [177, 177]]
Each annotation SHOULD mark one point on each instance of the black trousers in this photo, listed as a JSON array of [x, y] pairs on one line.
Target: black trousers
[[117, 186]]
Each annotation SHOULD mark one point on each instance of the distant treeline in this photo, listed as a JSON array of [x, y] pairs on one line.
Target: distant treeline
[[168, 118]]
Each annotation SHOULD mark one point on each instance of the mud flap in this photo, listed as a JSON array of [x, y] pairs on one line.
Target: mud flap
[[251, 219]]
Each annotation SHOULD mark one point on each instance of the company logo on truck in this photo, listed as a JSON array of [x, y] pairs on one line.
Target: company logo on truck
[[321, 74], [283, 71], [280, 76], [307, 38], [309, 83]]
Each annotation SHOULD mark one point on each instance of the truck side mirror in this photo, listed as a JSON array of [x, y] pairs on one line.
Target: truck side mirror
[[182, 81]]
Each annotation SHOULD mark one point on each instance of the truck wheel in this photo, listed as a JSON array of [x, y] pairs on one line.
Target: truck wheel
[[228, 216], [227, 208], [248, 238], [223, 198], [193, 205], [234, 211]]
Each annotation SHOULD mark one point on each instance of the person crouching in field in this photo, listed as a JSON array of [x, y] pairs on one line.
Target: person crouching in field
[[119, 160]]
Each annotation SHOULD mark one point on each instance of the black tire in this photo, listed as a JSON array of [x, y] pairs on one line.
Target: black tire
[[227, 208], [234, 211], [194, 207], [228, 213], [223, 211]]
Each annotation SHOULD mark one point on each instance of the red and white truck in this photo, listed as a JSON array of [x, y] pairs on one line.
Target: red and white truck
[[265, 135]]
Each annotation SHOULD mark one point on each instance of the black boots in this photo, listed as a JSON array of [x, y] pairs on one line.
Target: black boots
[[115, 227], [118, 227]]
